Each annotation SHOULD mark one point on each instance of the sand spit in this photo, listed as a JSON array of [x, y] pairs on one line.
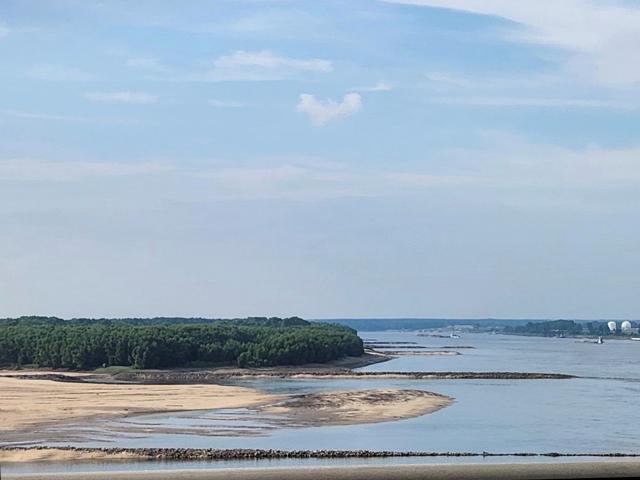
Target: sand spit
[[27, 403], [360, 406]]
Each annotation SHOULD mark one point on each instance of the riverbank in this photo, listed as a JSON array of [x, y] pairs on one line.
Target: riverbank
[[515, 471]]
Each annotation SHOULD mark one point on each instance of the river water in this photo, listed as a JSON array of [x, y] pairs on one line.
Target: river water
[[595, 413]]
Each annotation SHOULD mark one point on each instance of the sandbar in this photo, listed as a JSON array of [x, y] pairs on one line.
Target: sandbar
[[361, 406]]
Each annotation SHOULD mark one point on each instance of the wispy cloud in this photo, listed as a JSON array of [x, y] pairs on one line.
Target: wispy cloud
[[26, 169], [121, 97], [59, 73], [531, 102], [378, 87], [321, 112], [4, 30], [509, 161], [504, 163], [296, 181], [228, 104], [42, 116], [261, 65], [603, 37]]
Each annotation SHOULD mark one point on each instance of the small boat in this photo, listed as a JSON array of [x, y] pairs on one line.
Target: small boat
[[600, 341], [637, 339]]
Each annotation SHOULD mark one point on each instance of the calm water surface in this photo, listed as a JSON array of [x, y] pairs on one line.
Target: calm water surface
[[597, 413]]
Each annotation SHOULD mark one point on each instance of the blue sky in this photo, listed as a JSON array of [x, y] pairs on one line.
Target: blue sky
[[425, 158]]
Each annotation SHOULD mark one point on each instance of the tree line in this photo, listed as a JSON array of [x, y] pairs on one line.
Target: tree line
[[556, 327], [164, 343]]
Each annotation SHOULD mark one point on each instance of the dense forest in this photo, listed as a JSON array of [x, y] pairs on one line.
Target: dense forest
[[171, 342]]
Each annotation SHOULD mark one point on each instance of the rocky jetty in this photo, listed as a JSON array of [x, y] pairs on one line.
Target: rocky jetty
[[169, 376], [210, 454]]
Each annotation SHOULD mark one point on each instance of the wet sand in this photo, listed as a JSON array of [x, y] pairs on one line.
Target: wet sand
[[538, 471]]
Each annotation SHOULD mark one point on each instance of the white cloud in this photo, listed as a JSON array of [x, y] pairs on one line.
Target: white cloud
[[322, 112], [260, 66], [603, 37], [228, 104], [122, 97], [266, 59], [59, 73], [27, 169], [378, 87], [145, 63]]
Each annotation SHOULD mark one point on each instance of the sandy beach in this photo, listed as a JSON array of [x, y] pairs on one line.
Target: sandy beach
[[27, 403]]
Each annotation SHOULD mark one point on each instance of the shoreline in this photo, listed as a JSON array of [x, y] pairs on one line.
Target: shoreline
[[469, 471]]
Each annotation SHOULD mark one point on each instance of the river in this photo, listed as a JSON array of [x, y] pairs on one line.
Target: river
[[594, 413]]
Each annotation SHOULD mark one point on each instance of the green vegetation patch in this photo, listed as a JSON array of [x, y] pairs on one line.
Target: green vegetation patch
[[171, 342]]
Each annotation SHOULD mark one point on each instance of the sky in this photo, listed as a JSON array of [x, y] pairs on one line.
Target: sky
[[320, 158]]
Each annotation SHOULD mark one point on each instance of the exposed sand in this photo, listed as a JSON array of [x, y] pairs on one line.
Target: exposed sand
[[361, 406], [29, 403], [26, 403], [61, 455], [514, 471]]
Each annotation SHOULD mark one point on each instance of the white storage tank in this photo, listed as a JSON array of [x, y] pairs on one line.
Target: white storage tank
[[612, 326], [626, 326]]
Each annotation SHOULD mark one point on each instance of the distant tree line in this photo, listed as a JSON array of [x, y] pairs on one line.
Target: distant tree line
[[411, 324], [557, 327], [171, 342]]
